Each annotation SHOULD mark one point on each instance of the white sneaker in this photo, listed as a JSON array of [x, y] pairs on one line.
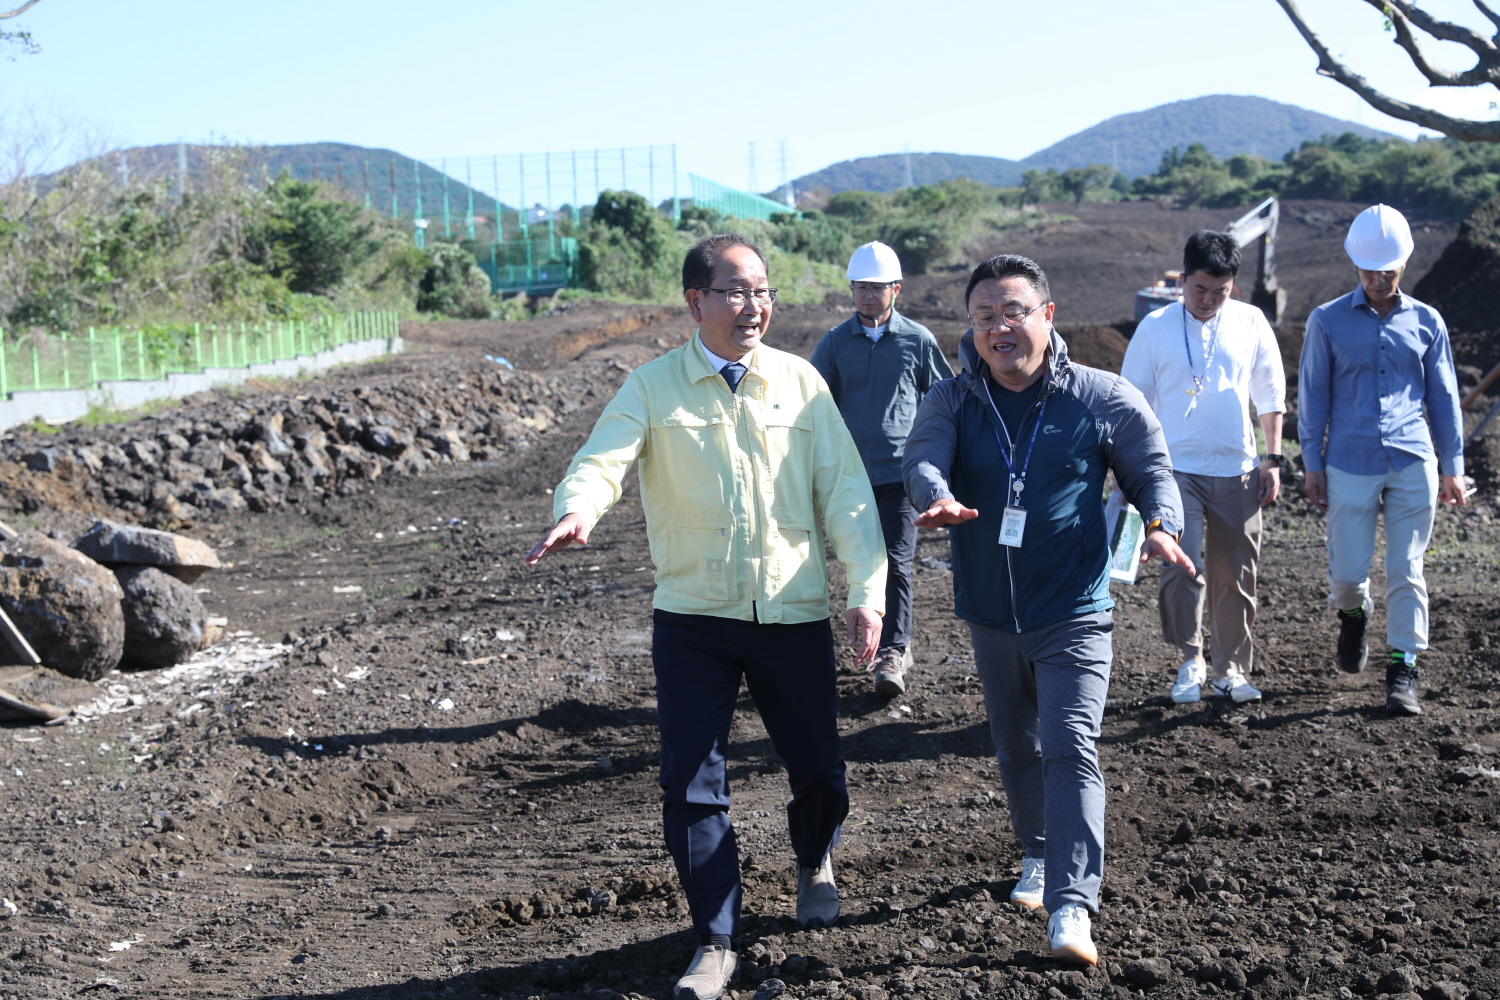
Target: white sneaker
[[1069, 933], [711, 969], [1028, 891], [1234, 686], [1189, 686]]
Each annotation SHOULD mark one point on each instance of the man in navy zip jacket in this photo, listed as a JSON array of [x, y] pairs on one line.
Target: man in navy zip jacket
[[1012, 454]]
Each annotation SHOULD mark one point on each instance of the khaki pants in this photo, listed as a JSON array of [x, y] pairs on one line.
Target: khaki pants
[[1221, 534]]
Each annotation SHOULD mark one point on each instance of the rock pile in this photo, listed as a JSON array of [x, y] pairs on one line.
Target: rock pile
[[229, 454], [84, 620]]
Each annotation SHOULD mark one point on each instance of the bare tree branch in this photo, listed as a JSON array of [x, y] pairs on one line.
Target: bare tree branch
[[1487, 70], [21, 9], [1489, 14], [1445, 30]]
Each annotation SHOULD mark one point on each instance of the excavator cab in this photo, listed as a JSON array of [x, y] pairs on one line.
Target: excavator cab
[[1257, 225]]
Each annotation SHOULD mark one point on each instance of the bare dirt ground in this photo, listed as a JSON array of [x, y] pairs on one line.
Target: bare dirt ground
[[442, 784]]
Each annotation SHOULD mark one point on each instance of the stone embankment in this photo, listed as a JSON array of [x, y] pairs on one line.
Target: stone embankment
[[229, 453]]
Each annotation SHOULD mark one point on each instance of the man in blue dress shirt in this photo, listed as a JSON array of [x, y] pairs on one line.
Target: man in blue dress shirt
[[1372, 361]]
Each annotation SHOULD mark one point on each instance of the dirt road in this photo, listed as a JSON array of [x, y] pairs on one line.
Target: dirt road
[[418, 769]]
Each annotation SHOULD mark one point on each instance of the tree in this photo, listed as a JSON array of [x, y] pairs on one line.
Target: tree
[[1079, 181], [21, 39], [1405, 18]]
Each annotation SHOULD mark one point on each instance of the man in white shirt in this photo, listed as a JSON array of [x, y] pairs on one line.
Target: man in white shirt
[[1200, 364]]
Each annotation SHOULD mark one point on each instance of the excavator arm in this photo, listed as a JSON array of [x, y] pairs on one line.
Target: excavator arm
[[1260, 224]]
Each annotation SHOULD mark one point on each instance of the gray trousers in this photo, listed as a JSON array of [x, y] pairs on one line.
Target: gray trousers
[[1044, 692], [1221, 534], [1408, 498]]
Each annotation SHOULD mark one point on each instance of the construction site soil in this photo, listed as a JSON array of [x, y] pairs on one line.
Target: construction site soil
[[414, 768]]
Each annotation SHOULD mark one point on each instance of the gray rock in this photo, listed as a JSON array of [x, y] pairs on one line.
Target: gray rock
[[1225, 973], [64, 603], [389, 441], [1147, 973], [1447, 990], [115, 544], [41, 460], [164, 619], [770, 990], [448, 442], [1401, 979]]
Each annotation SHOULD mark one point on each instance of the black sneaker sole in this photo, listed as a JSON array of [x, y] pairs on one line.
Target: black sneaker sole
[[1394, 707], [887, 688]]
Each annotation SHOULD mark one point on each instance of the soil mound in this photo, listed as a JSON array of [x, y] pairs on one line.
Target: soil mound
[[1461, 285]]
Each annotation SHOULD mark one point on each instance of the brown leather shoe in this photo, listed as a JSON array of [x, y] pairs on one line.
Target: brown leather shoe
[[890, 672]]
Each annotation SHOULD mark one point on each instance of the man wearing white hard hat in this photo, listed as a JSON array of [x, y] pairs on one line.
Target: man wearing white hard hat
[[1372, 362], [879, 365]]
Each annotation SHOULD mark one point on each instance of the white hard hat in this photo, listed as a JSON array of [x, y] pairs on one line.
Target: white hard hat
[[874, 262], [1379, 239]]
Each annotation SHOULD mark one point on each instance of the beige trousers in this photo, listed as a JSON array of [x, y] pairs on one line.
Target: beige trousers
[[1221, 533]]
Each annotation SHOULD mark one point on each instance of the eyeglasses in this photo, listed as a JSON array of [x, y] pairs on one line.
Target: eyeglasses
[[871, 286], [1012, 317], [736, 297]]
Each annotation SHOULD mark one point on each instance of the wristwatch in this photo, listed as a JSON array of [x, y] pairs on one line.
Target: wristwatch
[[1156, 523], [1274, 460]]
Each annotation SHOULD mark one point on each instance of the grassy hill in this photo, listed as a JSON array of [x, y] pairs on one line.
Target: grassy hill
[[888, 173], [335, 162], [1225, 123], [1132, 143]]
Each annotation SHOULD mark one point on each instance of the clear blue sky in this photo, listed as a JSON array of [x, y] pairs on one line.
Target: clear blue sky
[[450, 78]]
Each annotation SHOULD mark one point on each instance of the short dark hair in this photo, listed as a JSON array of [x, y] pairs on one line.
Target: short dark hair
[[1215, 254], [698, 265], [1010, 265]]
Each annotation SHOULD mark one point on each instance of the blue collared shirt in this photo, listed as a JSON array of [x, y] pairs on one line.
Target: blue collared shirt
[[1363, 384]]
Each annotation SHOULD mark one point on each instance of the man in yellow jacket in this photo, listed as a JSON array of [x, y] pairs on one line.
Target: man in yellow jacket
[[746, 467]]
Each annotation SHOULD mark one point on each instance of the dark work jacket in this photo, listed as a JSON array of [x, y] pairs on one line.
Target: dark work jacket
[[1095, 422]]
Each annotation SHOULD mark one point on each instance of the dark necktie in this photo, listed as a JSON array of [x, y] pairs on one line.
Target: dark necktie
[[733, 372]]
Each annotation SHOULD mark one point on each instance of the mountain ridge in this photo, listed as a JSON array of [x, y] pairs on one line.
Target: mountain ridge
[[1132, 143]]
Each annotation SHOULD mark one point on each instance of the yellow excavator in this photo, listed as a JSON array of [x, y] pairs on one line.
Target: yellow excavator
[[1257, 224]]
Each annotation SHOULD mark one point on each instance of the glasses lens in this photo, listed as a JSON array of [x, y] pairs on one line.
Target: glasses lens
[[983, 321], [1015, 317]]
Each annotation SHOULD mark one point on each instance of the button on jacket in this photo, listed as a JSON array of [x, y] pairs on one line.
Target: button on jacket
[[879, 384], [738, 488], [1364, 381]]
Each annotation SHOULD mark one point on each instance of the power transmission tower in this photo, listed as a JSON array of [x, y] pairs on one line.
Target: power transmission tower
[[786, 180]]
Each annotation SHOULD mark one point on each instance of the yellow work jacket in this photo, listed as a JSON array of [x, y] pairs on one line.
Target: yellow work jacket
[[738, 488]]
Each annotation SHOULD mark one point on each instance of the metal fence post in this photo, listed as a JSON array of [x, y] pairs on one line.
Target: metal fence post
[[140, 354], [66, 359], [93, 360], [119, 355], [4, 374], [198, 346], [36, 366]]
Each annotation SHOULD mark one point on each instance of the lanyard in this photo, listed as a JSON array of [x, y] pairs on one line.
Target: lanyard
[[1208, 355], [1018, 482]]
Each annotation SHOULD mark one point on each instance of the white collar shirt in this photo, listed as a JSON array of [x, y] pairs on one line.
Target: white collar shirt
[[1208, 431]]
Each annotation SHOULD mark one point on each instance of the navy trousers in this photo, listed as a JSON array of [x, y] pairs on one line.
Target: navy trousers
[[898, 521], [790, 672]]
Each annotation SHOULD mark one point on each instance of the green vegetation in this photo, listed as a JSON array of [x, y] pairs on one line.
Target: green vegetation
[[80, 249], [1440, 177], [630, 249]]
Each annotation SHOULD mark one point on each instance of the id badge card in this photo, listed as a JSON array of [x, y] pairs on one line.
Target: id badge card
[[1012, 527]]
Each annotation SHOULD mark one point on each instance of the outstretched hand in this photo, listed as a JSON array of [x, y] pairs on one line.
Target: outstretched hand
[[1161, 545], [564, 533], [943, 513]]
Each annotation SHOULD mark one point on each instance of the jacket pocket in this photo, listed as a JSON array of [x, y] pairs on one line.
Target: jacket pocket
[[700, 553], [801, 578]]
